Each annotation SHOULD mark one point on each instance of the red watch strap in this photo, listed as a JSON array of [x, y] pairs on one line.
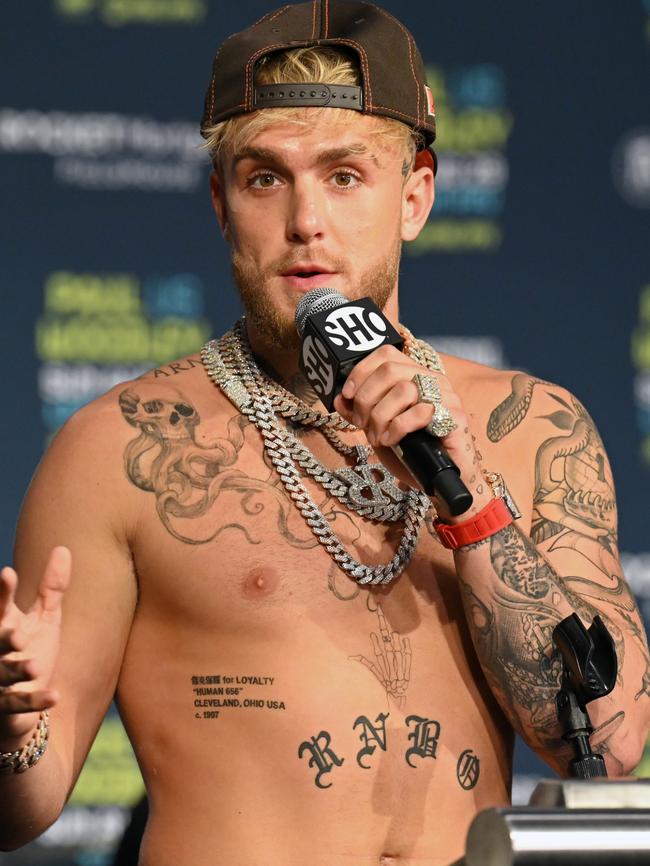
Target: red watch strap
[[489, 520]]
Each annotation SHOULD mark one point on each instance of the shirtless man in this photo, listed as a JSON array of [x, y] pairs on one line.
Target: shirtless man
[[283, 714]]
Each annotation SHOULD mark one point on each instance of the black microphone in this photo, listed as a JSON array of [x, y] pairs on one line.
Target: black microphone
[[336, 334]]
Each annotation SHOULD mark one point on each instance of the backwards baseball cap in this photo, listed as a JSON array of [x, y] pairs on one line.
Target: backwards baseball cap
[[391, 69]]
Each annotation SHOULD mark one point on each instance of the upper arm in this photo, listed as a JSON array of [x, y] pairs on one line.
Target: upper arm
[[79, 498]]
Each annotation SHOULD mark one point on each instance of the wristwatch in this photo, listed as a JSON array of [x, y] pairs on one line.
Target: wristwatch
[[496, 515]]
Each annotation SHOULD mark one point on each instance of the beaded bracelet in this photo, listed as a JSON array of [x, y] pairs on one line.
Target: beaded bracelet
[[31, 753]]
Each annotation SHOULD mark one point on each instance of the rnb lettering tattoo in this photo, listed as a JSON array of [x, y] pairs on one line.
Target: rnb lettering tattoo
[[322, 756]]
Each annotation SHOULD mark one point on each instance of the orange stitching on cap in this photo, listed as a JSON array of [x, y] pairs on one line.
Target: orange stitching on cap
[[250, 64], [211, 109], [417, 85], [408, 40], [327, 18], [268, 17], [213, 82], [273, 15], [313, 20], [364, 64], [402, 114]]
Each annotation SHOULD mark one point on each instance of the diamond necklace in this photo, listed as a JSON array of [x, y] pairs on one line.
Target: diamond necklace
[[367, 488]]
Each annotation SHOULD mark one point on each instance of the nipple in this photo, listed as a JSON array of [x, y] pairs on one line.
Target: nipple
[[261, 581]]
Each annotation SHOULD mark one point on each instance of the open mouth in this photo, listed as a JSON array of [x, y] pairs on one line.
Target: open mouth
[[305, 273], [307, 277]]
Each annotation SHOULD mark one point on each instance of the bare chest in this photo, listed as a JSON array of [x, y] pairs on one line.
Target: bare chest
[[264, 647]]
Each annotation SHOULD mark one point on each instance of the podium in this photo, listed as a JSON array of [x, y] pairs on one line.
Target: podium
[[587, 820], [568, 823]]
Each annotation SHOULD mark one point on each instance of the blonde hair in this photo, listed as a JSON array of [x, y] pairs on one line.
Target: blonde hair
[[322, 64]]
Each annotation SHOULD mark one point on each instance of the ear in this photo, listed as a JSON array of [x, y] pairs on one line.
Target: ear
[[218, 196], [417, 196]]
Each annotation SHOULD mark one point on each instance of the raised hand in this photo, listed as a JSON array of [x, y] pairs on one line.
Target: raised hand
[[29, 644]]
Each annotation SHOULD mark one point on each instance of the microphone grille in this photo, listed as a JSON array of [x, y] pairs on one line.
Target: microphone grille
[[316, 301]]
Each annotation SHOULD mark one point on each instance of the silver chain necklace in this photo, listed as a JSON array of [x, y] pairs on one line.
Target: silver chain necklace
[[369, 489]]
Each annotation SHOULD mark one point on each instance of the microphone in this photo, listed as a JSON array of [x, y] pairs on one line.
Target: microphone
[[336, 334]]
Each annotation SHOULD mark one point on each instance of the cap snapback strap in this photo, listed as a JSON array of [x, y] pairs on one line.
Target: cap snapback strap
[[297, 95]]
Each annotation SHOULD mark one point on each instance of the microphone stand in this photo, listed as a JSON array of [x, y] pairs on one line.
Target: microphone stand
[[589, 672], [580, 821]]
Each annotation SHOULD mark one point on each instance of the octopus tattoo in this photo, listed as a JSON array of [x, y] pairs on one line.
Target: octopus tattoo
[[185, 475]]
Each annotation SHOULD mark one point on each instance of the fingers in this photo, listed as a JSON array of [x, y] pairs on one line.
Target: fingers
[[12, 640], [14, 671], [380, 397], [364, 368], [8, 583], [27, 702], [391, 408], [415, 418], [55, 581], [383, 625], [375, 384], [408, 654]]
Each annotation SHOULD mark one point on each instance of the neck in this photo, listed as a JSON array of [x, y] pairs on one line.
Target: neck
[[279, 364]]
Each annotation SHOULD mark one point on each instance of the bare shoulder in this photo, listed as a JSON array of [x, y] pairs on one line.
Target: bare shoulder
[[168, 405], [480, 387], [163, 400], [513, 403]]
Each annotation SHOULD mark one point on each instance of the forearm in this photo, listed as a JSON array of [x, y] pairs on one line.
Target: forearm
[[513, 600], [31, 801]]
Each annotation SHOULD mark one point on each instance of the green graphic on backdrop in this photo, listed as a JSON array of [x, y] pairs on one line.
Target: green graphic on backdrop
[[473, 127], [117, 13], [98, 329], [110, 776]]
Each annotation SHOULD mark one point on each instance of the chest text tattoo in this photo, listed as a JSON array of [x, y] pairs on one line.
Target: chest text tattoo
[[212, 693]]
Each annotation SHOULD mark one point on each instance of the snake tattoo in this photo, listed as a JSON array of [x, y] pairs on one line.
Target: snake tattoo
[[512, 411]]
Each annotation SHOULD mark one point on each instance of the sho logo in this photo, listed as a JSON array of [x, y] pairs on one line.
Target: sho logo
[[318, 368], [355, 328]]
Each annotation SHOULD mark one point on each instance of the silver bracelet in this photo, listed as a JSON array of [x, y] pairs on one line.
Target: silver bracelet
[[31, 752]]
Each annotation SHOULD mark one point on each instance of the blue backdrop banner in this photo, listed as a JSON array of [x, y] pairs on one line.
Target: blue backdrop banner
[[536, 256]]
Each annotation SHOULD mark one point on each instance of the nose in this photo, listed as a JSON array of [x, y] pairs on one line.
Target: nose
[[306, 216]]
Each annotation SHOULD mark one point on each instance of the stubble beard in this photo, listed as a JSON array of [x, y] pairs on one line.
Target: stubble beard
[[277, 327]]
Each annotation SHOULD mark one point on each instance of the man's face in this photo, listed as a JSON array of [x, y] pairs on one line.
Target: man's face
[[308, 207]]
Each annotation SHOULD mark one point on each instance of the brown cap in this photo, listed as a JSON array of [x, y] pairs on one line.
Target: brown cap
[[392, 73]]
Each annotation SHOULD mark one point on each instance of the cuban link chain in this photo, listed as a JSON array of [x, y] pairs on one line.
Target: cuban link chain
[[230, 364]]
